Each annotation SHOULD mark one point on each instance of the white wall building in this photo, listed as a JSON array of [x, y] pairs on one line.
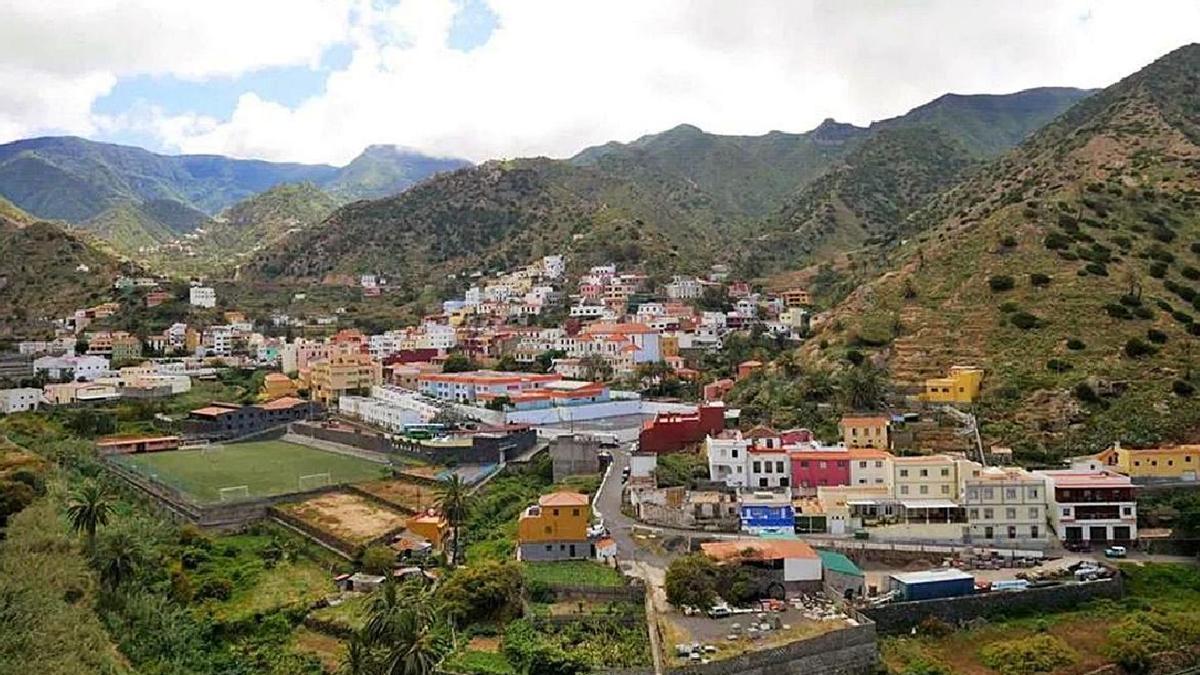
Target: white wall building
[[86, 367], [1004, 506], [202, 296], [19, 400]]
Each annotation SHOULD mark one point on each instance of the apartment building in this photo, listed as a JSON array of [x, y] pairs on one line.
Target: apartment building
[[1005, 505], [1091, 506], [19, 400], [870, 467], [202, 296], [341, 374], [865, 431], [926, 477], [72, 367], [1161, 464]]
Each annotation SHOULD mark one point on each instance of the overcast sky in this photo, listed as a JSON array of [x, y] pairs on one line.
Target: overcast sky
[[318, 80]]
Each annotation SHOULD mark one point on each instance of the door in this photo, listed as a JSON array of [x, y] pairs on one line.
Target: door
[[1121, 533], [1098, 533], [571, 551], [1074, 533]]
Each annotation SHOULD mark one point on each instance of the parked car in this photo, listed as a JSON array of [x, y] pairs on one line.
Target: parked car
[[719, 611], [1115, 552]]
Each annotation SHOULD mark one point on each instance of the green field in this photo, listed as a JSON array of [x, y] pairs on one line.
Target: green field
[[264, 467], [568, 572]]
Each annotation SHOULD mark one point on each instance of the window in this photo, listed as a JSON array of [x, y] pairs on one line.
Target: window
[[823, 464], [804, 464], [904, 473], [547, 529], [1033, 512], [783, 482], [973, 514], [1010, 513], [778, 467], [878, 481], [924, 473], [945, 489], [1126, 510], [1033, 531], [1012, 532], [549, 548], [903, 489], [1010, 493], [555, 512], [734, 453], [575, 512], [972, 494], [988, 514], [988, 532], [1033, 493], [862, 481], [762, 482], [989, 494], [924, 489], [945, 472], [1066, 512], [767, 468], [758, 467], [862, 465], [879, 464]]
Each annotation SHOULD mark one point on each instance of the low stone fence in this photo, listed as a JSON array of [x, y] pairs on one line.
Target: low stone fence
[[347, 550], [375, 443], [901, 617]]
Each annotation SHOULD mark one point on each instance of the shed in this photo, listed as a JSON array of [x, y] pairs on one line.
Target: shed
[[940, 583], [840, 576]]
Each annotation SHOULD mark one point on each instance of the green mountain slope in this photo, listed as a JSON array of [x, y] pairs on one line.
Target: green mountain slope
[[385, 170], [1069, 265], [988, 125], [130, 227], [41, 278], [9, 211], [865, 199]]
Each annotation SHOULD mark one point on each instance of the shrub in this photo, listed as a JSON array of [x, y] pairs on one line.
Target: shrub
[[1182, 388], [217, 588], [1195, 247], [1158, 270], [1142, 312], [1190, 272], [1136, 348], [1039, 280], [1075, 344], [1057, 241], [1068, 256], [1160, 254], [1130, 300], [1001, 282], [1097, 269], [1084, 392], [1193, 329], [1182, 317], [1117, 311], [378, 559], [1041, 653], [1024, 320], [1008, 241], [1156, 336], [1058, 365], [1009, 307], [1133, 642]]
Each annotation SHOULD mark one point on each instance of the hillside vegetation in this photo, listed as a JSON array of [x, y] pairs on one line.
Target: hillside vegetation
[[1069, 269]]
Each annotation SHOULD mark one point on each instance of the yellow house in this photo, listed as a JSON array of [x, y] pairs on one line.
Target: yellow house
[[960, 386], [929, 476], [277, 385], [556, 528], [669, 345], [341, 373], [432, 526], [1175, 462], [865, 431]]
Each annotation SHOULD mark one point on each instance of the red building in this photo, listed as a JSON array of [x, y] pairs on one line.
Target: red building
[[815, 468], [411, 356], [676, 432], [717, 390]]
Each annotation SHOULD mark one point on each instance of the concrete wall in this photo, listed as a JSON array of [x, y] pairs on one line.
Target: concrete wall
[[559, 551], [901, 617], [577, 413]]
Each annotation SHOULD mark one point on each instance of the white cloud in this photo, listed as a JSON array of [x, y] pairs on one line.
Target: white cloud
[[556, 76]]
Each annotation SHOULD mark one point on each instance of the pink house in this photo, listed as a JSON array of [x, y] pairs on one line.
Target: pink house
[[811, 469]]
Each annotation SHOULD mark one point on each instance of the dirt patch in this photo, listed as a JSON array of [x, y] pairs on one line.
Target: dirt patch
[[405, 495], [347, 516], [484, 644]]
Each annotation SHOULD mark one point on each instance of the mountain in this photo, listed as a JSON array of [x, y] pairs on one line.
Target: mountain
[[41, 277], [385, 170], [1068, 269], [688, 196], [864, 198], [988, 125], [9, 211], [139, 197], [745, 176]]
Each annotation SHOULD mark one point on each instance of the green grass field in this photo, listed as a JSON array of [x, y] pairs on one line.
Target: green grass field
[[573, 572], [264, 467]]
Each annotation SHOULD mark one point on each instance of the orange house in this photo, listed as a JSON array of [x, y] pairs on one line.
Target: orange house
[[556, 528]]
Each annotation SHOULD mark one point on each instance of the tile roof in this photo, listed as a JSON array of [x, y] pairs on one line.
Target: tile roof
[[564, 499], [757, 549]]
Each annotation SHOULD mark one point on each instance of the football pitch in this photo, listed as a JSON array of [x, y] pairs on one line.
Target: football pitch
[[265, 468]]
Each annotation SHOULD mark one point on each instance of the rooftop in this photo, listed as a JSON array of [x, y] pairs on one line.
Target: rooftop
[[927, 576], [757, 549], [564, 499], [836, 562]]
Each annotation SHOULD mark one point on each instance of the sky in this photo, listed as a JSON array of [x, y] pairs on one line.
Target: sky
[[319, 80]]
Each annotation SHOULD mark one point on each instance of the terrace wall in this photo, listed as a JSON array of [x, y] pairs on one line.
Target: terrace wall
[[901, 617]]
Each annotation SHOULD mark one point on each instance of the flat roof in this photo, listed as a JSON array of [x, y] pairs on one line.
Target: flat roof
[[928, 504], [943, 574]]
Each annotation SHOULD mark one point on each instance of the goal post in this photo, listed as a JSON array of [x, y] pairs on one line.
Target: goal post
[[313, 481], [234, 493]]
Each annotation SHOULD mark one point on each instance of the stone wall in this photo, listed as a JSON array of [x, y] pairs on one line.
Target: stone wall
[[850, 651], [369, 442], [901, 617]]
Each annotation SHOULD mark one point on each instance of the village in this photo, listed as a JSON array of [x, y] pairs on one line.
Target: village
[[655, 483]]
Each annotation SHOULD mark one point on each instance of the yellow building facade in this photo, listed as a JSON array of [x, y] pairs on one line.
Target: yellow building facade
[[961, 385], [556, 528], [341, 373], [1177, 462]]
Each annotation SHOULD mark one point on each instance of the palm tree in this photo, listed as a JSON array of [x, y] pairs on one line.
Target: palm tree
[[88, 508], [119, 555], [402, 624], [453, 500]]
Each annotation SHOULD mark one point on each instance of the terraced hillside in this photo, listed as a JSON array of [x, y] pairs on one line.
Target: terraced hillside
[[1069, 269]]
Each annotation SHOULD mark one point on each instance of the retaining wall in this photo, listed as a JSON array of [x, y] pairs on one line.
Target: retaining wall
[[901, 617]]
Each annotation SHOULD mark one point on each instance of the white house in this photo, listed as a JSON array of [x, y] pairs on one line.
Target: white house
[[19, 400], [86, 367]]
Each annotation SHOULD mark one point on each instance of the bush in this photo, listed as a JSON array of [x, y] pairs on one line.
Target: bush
[[1182, 317], [1136, 348], [1008, 241], [217, 588], [1000, 283], [1190, 272], [1039, 280], [1009, 307], [1024, 320], [378, 559], [1075, 344], [1195, 247], [1057, 241], [1041, 653], [1182, 388], [691, 581], [1084, 392], [1158, 270], [1156, 336], [1058, 365], [1142, 312], [1117, 311], [1097, 269], [1133, 642]]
